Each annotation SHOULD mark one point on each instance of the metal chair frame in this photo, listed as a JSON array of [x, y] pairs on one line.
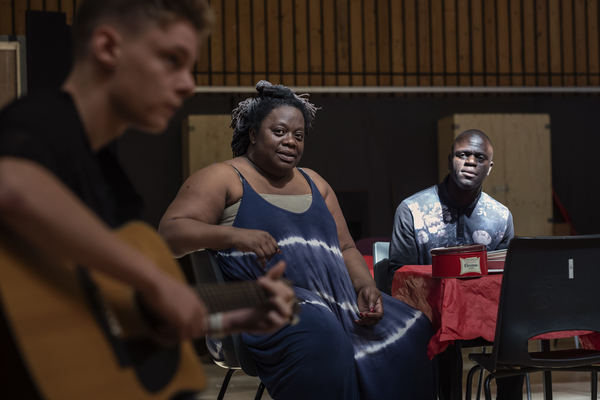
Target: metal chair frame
[[236, 356]]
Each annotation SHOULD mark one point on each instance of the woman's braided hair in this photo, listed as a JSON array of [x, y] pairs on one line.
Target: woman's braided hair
[[251, 112]]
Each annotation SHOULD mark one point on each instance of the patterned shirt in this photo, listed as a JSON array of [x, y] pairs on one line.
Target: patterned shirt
[[430, 219]]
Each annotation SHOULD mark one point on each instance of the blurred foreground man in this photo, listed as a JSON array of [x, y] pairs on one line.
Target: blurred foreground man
[[61, 190]]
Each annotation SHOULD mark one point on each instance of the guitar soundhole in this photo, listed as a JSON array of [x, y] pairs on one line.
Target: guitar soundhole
[[154, 365]]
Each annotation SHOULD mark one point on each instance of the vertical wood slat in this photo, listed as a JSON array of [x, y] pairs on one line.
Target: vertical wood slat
[[490, 49], [555, 42], [477, 43], [529, 53], [437, 42], [423, 43], [51, 5], [464, 43], [6, 18], [217, 45], [287, 43], [592, 37], [301, 34], [516, 43], [450, 43], [580, 43], [410, 46], [356, 43], [370, 45], [245, 43], [272, 36], [315, 40], [231, 45], [342, 42], [398, 43], [541, 15], [386, 42], [330, 58], [503, 41], [383, 42], [258, 23], [20, 7], [568, 48]]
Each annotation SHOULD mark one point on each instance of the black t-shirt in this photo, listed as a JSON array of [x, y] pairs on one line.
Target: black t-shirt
[[46, 128]]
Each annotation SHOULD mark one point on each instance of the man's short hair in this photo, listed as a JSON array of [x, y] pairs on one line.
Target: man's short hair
[[131, 14], [469, 133]]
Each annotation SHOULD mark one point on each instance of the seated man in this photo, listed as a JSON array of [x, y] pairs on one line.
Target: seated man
[[453, 212]]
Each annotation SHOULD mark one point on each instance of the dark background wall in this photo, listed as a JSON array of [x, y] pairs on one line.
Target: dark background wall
[[385, 149]]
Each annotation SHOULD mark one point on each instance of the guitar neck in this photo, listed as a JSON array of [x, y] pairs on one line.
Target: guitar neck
[[220, 297]]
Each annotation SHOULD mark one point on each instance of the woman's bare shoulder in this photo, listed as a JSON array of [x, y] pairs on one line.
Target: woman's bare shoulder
[[319, 181]]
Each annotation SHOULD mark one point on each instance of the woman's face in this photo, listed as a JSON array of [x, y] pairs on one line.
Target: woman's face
[[278, 145]]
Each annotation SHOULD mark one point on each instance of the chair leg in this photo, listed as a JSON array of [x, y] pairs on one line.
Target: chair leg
[[228, 376], [480, 382], [260, 391], [594, 385], [486, 387], [545, 346], [472, 372], [528, 384]]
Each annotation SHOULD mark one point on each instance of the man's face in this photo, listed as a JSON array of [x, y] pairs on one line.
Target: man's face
[[470, 162], [152, 76]]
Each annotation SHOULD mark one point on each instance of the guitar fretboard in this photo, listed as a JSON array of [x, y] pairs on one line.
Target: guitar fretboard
[[220, 297]]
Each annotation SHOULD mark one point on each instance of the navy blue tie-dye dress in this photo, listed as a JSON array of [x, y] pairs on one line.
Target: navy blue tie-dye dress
[[327, 355]]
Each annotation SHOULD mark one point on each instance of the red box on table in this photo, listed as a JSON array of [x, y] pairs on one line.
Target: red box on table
[[464, 261]]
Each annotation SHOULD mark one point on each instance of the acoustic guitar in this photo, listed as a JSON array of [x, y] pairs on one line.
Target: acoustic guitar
[[84, 335]]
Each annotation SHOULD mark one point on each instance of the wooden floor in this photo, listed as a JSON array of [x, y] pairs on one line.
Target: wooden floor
[[565, 386]]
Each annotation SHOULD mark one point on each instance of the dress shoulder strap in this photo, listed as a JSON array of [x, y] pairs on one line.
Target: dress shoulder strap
[[242, 179]]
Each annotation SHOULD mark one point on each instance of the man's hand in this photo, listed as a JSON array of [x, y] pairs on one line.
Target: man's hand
[[258, 242], [179, 306], [370, 305], [264, 319]]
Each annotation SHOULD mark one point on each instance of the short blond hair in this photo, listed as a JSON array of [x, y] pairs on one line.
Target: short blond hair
[[131, 14]]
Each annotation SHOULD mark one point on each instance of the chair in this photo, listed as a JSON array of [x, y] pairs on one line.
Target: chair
[[232, 353], [381, 255], [549, 284]]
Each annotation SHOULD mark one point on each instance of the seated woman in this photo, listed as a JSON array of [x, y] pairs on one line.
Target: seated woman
[[259, 208]]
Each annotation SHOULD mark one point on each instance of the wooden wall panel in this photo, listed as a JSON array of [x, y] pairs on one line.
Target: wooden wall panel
[[386, 42]]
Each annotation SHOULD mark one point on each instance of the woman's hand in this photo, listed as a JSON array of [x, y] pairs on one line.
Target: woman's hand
[[255, 241], [370, 305]]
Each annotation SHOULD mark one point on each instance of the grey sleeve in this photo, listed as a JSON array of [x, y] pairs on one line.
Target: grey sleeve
[[403, 247], [508, 234]]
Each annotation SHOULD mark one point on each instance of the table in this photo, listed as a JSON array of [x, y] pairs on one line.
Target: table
[[461, 309]]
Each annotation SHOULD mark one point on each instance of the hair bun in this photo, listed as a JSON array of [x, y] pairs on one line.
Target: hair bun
[[266, 88]]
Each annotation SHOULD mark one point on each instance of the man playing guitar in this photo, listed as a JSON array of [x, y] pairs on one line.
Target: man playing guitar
[[60, 187]]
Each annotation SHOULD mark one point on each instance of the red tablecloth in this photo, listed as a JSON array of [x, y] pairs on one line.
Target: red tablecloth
[[460, 309]]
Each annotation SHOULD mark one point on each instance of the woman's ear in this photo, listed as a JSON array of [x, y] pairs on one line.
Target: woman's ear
[[252, 135], [106, 45]]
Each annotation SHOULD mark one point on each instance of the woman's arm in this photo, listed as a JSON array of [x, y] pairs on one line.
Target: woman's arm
[[191, 221], [369, 297]]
